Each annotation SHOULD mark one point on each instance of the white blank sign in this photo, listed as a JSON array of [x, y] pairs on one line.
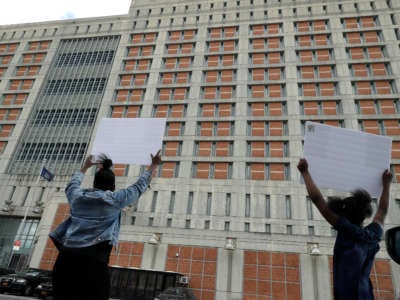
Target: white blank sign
[[129, 140], [345, 159]]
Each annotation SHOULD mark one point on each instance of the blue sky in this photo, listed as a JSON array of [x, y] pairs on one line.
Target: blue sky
[[25, 11]]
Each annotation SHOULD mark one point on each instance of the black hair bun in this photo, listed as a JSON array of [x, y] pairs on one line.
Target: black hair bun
[[107, 164]]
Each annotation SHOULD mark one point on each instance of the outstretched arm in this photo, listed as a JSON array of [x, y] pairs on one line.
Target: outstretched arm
[[132, 193], [384, 200], [315, 193]]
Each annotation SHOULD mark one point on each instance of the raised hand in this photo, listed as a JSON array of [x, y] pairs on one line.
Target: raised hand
[[155, 160]]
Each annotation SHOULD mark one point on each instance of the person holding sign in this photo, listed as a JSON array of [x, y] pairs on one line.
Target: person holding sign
[[355, 246], [86, 238]]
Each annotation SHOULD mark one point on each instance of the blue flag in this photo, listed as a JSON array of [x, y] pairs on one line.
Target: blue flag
[[46, 174]]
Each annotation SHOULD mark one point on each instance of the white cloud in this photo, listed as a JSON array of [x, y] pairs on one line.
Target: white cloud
[[25, 11]]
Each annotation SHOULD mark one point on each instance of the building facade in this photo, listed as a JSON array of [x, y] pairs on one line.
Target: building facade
[[236, 80]]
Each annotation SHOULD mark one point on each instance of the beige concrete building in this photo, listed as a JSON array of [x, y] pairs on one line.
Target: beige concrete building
[[236, 80]]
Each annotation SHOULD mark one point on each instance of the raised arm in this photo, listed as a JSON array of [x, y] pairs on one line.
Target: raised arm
[[133, 192], [315, 193], [384, 200]]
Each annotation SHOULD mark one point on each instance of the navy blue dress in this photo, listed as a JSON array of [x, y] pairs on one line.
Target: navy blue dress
[[353, 257]]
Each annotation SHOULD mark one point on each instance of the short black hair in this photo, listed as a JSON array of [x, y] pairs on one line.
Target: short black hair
[[104, 179], [355, 208]]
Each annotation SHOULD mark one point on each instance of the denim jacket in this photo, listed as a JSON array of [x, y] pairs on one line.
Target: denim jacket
[[95, 214]]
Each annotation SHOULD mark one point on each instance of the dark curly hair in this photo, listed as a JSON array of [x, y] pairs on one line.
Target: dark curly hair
[[355, 208], [104, 179]]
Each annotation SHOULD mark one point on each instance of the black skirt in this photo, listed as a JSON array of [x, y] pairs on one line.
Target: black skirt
[[82, 273]]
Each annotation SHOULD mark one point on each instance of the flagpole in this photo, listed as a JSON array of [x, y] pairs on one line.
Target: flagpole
[[27, 204], [31, 198]]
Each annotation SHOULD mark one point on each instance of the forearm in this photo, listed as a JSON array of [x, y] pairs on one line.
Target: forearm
[[313, 191], [132, 193], [318, 199], [383, 205]]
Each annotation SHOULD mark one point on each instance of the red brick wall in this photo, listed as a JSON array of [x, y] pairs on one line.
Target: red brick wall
[[50, 252], [271, 275], [199, 264]]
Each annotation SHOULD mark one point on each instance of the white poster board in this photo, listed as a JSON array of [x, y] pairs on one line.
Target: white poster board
[[345, 159], [129, 140]]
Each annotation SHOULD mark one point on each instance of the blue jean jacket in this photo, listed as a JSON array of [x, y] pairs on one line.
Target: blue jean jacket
[[95, 214]]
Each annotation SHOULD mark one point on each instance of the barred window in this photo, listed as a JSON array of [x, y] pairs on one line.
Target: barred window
[[52, 151], [53, 117], [75, 86], [85, 58]]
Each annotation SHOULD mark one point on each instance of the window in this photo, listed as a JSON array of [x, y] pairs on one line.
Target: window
[[169, 222], [37, 151], [169, 169], [85, 58], [189, 204], [311, 230], [227, 225], [247, 227], [133, 220], [220, 148], [267, 171], [63, 117], [81, 86], [288, 206], [247, 206], [208, 204], [154, 202], [206, 170], [228, 204], [150, 221], [187, 224], [309, 208], [172, 148], [267, 206], [264, 128], [268, 228], [263, 91], [207, 224], [171, 203], [289, 229]]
